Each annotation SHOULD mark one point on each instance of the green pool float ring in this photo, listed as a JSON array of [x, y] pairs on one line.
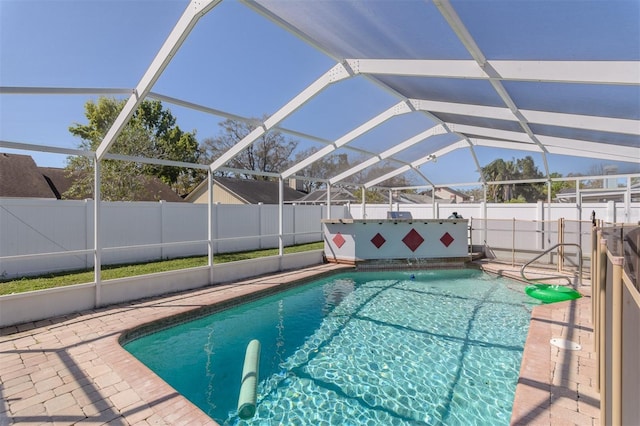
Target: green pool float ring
[[548, 293]]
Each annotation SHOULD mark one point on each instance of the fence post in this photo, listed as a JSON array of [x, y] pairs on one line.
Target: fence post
[[210, 225], [594, 283], [578, 200], [471, 236], [363, 215], [560, 247], [611, 211], [97, 233], [87, 229], [627, 201], [513, 242], [260, 225], [540, 224], [602, 302], [162, 238], [281, 217], [616, 341], [293, 221], [484, 223]]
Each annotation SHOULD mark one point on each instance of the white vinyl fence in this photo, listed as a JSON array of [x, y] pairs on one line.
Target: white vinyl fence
[[609, 212], [515, 233], [140, 231]]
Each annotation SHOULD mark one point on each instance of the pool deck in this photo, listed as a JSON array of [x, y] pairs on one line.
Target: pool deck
[[72, 370]]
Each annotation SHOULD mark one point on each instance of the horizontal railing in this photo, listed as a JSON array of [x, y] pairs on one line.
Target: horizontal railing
[[564, 277]]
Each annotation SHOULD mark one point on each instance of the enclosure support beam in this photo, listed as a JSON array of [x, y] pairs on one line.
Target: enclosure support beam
[[436, 130], [210, 236], [578, 200], [495, 78], [97, 235], [587, 122], [328, 200], [549, 194], [190, 17], [414, 165], [398, 109], [623, 73], [280, 219], [627, 201], [433, 202], [337, 73]]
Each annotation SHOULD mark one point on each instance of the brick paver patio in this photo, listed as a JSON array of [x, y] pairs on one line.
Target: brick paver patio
[[72, 370]]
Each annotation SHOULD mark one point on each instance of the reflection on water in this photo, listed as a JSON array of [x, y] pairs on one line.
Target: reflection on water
[[360, 348]]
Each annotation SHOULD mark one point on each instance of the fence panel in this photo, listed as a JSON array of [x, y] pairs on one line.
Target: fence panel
[[127, 225], [30, 226], [308, 218], [183, 222], [234, 225]]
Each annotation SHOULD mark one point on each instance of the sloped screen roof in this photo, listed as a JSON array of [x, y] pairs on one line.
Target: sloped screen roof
[[424, 79], [558, 78]]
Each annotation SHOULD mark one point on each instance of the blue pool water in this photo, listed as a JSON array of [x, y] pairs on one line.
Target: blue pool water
[[430, 347]]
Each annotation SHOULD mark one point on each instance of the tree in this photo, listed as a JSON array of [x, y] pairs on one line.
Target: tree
[[371, 196], [497, 170], [557, 186], [269, 153], [531, 192], [500, 170], [151, 132], [324, 168]]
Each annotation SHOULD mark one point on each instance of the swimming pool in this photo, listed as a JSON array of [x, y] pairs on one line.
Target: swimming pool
[[428, 347]]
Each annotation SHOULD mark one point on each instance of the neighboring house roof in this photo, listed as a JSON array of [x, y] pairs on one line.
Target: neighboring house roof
[[338, 196], [248, 191], [20, 177], [57, 179], [156, 189]]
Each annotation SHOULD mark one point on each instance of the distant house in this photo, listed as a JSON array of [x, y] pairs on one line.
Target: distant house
[[447, 195], [602, 195], [20, 177], [242, 191], [411, 198]]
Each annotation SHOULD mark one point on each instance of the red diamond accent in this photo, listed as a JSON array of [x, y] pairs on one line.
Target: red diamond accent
[[413, 240], [339, 240], [446, 239], [378, 240]]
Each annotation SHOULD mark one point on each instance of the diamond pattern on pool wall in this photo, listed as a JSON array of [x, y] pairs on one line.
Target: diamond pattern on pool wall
[[339, 240], [413, 239], [378, 240], [446, 239]]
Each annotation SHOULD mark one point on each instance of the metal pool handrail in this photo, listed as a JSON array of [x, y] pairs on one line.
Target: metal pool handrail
[[557, 276]]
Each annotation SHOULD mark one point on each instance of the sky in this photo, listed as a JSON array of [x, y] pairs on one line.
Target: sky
[[234, 60]]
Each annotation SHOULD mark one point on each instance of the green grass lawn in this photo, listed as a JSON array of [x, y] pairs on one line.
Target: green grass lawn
[[121, 271]]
